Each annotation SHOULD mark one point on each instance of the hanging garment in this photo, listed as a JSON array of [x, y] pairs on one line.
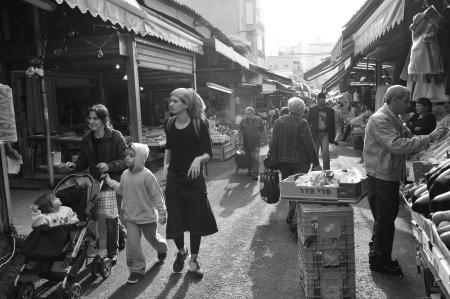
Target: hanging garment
[[429, 89], [425, 55], [379, 97]]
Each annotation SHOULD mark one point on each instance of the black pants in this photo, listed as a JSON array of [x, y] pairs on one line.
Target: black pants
[[195, 243], [383, 200], [286, 170]]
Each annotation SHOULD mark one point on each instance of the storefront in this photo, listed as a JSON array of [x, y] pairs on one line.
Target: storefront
[[126, 58]]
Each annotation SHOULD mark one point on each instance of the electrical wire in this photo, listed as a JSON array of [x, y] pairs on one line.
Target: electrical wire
[[12, 254]]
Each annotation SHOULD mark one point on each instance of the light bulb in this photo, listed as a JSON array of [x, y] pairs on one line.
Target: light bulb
[[100, 53], [117, 66], [125, 77]]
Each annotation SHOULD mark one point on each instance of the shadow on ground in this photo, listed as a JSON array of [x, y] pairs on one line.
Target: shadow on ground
[[239, 192], [274, 268]]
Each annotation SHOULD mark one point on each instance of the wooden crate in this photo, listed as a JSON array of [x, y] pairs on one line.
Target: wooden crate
[[223, 151]]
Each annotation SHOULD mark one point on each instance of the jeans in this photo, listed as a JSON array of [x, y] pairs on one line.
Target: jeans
[[286, 170], [111, 230], [321, 141], [383, 200]]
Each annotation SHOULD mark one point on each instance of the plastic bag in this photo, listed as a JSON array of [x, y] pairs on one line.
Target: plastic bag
[[269, 184]]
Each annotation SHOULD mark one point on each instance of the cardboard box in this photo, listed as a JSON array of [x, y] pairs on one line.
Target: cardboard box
[[416, 169], [345, 192]]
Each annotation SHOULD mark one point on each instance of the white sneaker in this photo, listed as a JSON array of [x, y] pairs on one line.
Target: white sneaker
[[194, 268]]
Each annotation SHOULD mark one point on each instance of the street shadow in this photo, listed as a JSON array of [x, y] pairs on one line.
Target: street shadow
[[171, 283], [134, 290], [274, 269], [240, 191], [184, 287]]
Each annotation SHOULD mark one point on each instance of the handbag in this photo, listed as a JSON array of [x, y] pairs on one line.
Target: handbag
[[269, 186]]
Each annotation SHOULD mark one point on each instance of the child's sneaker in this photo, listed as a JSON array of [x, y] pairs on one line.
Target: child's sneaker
[[178, 265], [162, 256], [194, 268], [134, 277]]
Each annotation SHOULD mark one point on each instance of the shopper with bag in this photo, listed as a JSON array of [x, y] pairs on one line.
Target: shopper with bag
[[103, 150], [292, 147], [188, 148], [252, 128]]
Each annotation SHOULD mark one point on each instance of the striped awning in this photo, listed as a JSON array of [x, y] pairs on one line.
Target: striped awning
[[129, 15], [384, 18]]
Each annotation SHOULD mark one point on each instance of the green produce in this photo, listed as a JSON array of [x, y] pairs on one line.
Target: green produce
[[443, 223], [419, 192], [422, 204], [440, 216], [441, 184], [441, 203], [410, 192], [434, 173], [443, 229], [445, 237]]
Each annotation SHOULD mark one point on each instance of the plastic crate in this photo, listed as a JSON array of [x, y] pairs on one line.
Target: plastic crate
[[327, 259], [330, 283]]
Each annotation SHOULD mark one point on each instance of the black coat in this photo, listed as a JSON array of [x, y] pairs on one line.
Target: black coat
[[111, 150], [313, 121]]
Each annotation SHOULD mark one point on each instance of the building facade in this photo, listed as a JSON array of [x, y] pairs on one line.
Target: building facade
[[240, 20]]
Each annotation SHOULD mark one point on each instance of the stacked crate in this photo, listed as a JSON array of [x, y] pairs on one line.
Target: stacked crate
[[326, 250]]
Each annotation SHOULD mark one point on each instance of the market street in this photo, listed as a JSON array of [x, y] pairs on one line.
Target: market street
[[254, 255]]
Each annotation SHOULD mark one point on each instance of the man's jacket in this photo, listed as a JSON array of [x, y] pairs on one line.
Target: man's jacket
[[386, 143], [251, 132], [313, 121], [292, 141]]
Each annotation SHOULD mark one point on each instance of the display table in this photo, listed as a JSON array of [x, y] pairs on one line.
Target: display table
[[223, 151]]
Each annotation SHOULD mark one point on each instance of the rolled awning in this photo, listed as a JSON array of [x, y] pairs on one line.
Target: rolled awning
[[129, 15], [219, 87], [231, 54], [385, 17]]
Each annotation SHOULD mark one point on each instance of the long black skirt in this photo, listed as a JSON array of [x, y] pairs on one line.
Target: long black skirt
[[188, 207]]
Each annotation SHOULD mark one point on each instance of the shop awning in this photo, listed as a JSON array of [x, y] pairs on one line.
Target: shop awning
[[219, 87], [384, 18], [320, 69], [128, 14], [231, 54]]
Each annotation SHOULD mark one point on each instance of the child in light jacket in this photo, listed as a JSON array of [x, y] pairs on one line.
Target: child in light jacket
[[143, 205]]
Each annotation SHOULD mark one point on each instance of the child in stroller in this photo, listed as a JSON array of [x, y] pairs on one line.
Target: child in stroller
[[58, 249]]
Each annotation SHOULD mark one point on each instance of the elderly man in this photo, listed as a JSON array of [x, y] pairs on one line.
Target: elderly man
[[387, 141], [292, 147], [252, 128], [321, 121]]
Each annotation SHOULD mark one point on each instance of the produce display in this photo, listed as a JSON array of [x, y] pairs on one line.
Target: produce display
[[219, 133], [153, 136], [329, 178], [431, 198], [439, 150]]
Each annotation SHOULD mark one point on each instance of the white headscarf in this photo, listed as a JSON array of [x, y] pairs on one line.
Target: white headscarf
[[196, 106]]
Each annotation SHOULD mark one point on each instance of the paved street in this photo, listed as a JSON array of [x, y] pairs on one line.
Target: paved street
[[253, 255]]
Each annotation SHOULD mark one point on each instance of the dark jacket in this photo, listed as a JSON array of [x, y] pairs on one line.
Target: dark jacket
[[313, 121], [422, 126], [292, 141], [251, 132], [111, 151]]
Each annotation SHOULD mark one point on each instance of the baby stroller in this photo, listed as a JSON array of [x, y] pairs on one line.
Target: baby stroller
[[58, 253], [243, 160]]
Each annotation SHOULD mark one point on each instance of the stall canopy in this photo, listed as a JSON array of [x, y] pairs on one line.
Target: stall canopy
[[128, 14], [231, 54], [384, 18], [218, 87]]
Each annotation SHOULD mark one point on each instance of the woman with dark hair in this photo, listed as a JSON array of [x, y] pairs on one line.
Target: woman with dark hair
[[188, 148], [103, 150], [423, 122]]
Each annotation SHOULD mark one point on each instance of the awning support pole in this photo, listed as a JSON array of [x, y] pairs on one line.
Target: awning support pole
[[39, 52], [134, 99]]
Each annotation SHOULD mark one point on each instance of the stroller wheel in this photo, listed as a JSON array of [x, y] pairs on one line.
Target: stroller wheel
[[26, 290], [72, 292], [12, 291], [104, 268], [94, 266]]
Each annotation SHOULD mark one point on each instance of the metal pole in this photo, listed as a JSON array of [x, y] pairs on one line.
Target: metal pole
[[5, 220], [39, 52]]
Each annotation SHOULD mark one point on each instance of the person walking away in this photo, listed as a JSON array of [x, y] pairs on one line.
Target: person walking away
[[321, 122], [292, 148], [144, 207], [339, 119], [387, 141], [103, 151], [423, 122], [188, 148], [252, 128]]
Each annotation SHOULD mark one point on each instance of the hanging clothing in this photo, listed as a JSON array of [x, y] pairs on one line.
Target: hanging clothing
[[425, 55], [379, 97], [426, 88]]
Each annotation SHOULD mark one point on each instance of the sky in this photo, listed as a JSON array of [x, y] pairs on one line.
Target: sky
[[288, 22]]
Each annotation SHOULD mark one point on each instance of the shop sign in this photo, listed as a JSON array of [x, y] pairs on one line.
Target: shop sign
[[7, 119], [268, 88]]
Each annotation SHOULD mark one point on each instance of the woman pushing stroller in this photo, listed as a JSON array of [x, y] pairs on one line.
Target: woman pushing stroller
[[103, 151]]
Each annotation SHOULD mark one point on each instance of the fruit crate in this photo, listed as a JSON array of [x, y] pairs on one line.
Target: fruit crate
[[320, 258], [223, 151], [329, 283], [344, 193]]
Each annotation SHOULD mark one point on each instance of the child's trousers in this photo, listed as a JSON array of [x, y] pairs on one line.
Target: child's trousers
[[135, 257]]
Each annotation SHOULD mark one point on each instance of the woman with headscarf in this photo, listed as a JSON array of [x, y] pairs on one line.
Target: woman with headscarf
[[423, 122], [103, 150], [188, 148]]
